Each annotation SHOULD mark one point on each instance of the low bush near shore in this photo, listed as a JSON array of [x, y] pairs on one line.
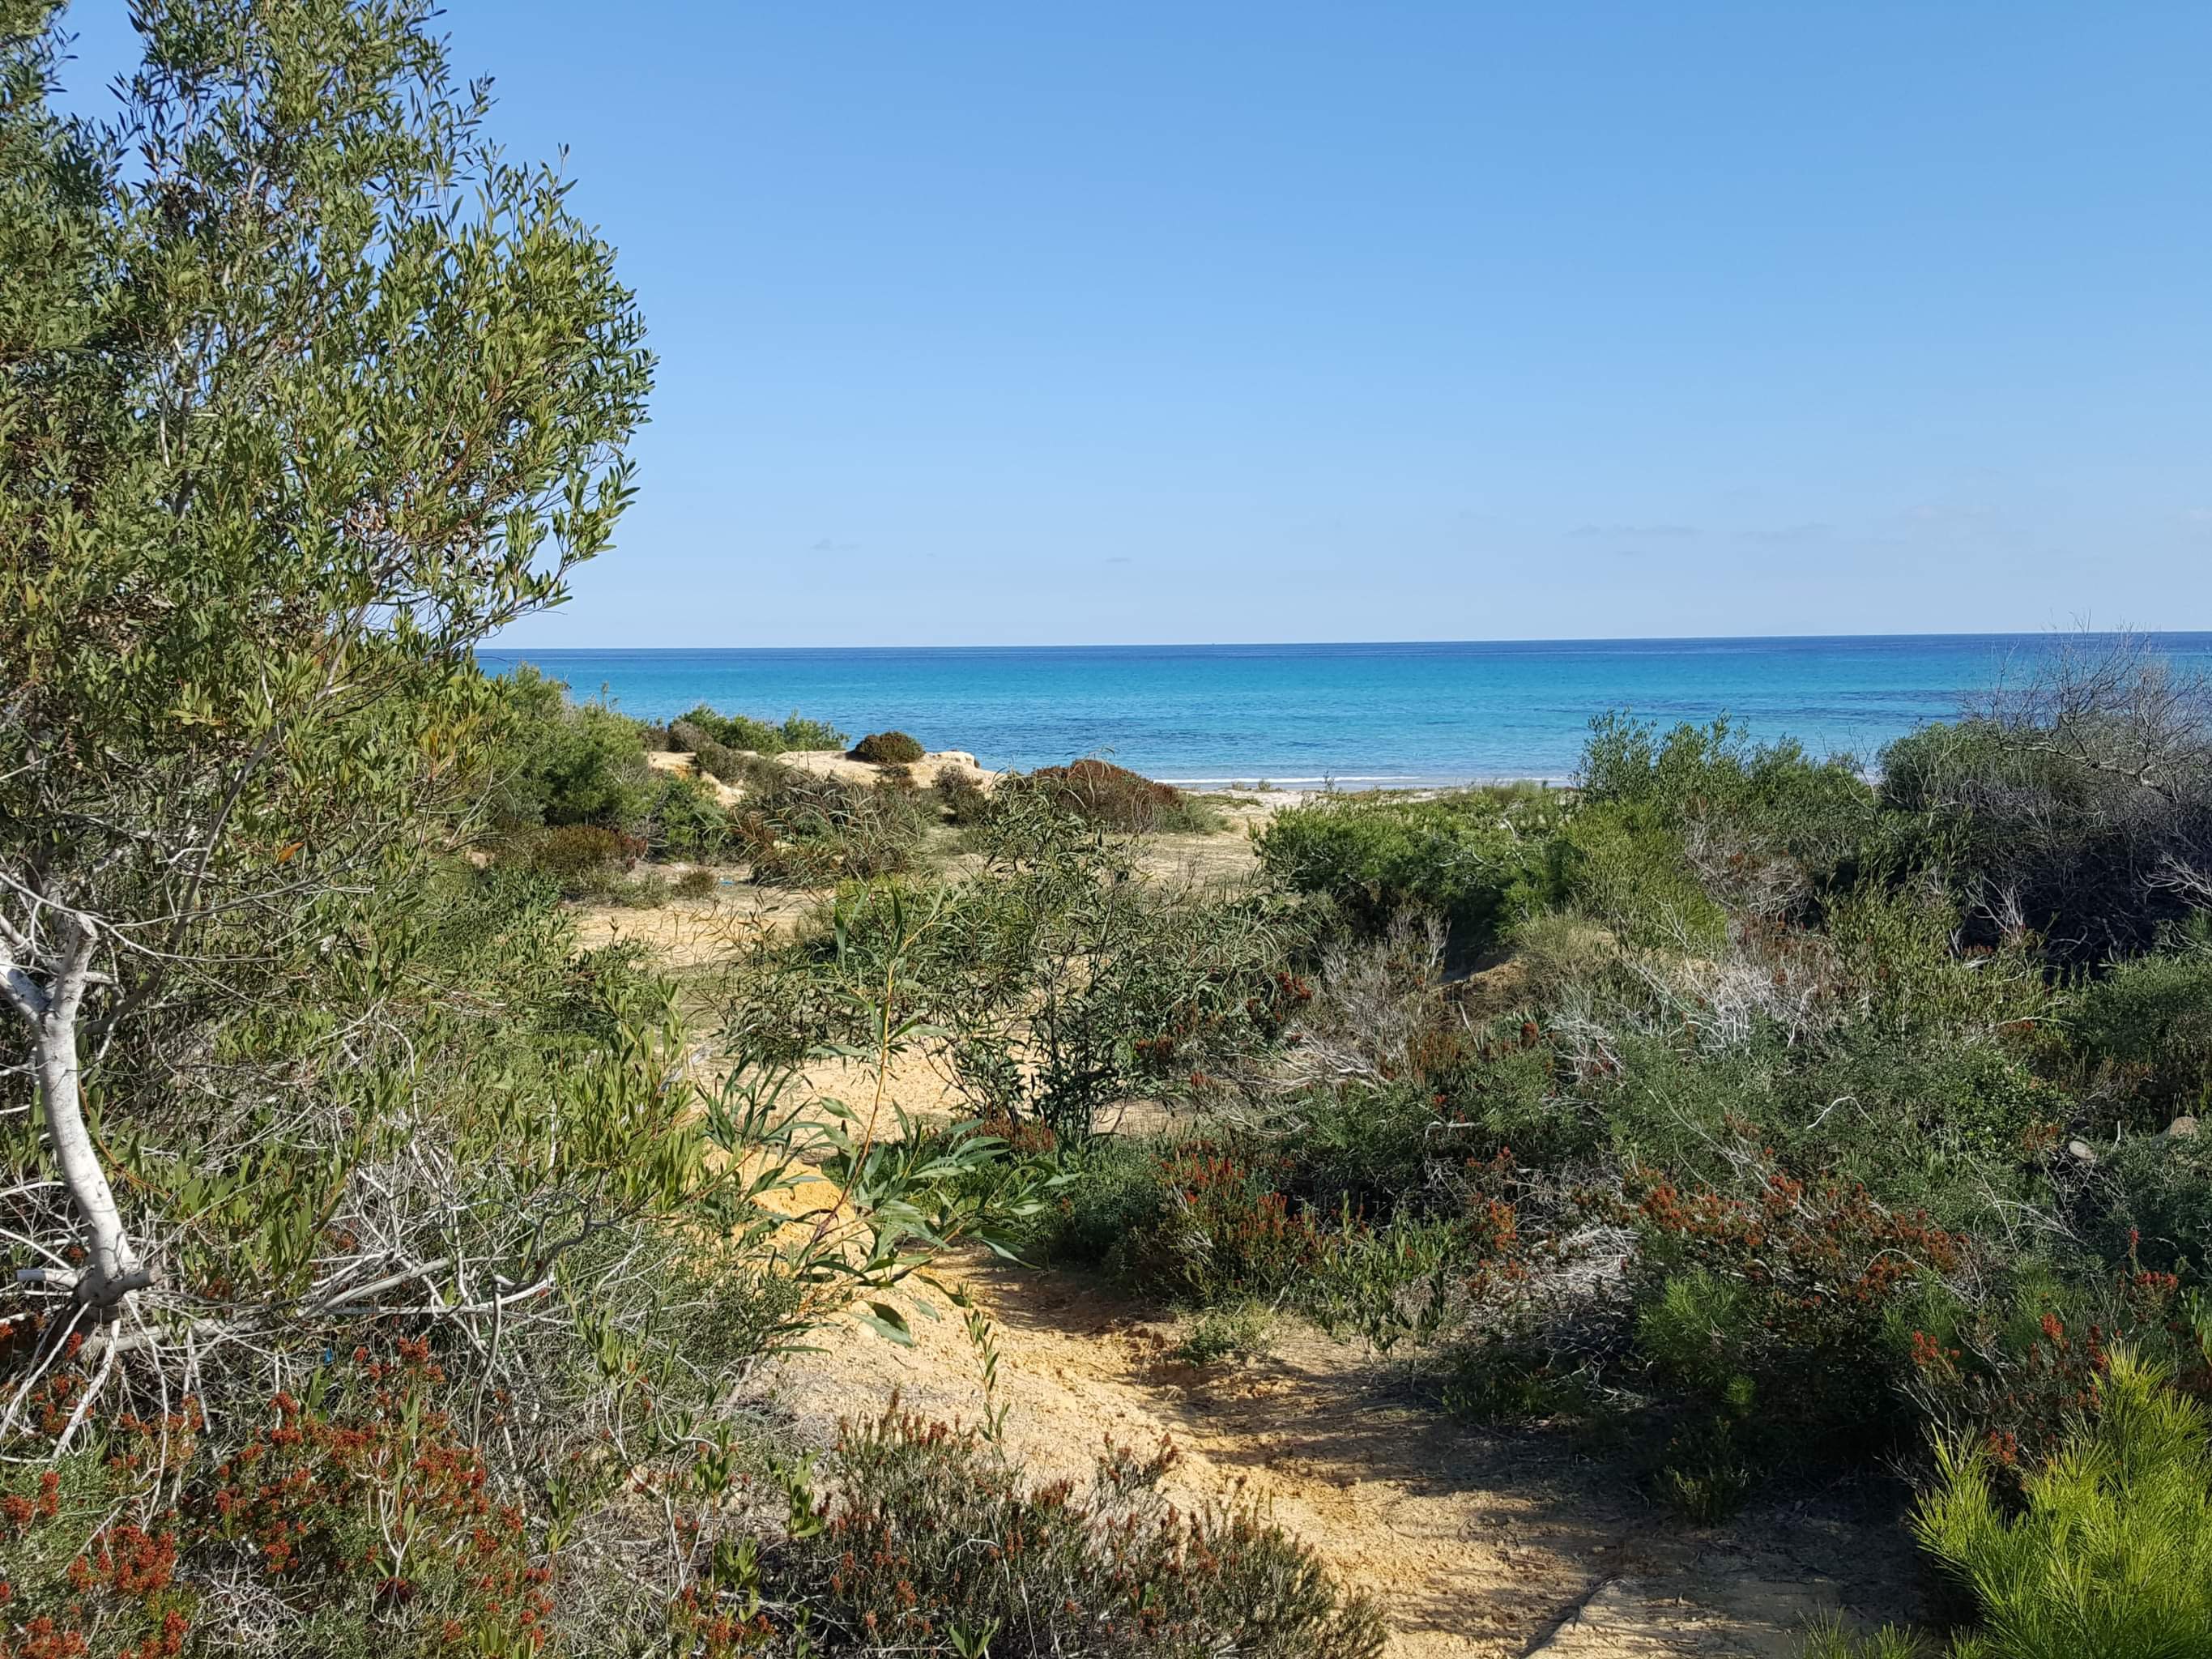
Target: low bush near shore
[[1100, 792], [962, 798], [888, 749], [704, 725], [800, 830]]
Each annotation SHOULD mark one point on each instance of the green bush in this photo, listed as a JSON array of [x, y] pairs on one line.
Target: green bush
[[694, 884], [2143, 1033], [1223, 1230], [2111, 1556], [2151, 1205], [888, 749], [1065, 981], [1783, 1310], [1115, 1185], [567, 762], [573, 853], [703, 724], [688, 822], [1900, 951], [1621, 863], [1922, 1123], [1232, 1330], [1476, 858], [1762, 800], [2020, 829]]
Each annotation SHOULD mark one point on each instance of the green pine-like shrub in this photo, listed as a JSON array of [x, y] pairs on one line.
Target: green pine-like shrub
[[2110, 1555]]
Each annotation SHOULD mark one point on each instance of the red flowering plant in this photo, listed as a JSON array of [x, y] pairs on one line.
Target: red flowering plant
[[1783, 1298], [1222, 1226], [2012, 1375]]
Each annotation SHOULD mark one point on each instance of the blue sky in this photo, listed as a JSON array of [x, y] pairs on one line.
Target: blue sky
[[989, 323]]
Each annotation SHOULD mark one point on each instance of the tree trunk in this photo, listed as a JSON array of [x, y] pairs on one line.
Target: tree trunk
[[113, 1271]]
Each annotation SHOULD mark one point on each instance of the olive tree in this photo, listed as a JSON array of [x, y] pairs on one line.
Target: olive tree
[[304, 391]]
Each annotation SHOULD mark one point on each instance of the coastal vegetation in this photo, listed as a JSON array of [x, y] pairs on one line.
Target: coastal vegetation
[[400, 1262]]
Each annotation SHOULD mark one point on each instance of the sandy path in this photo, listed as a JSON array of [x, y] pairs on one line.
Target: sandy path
[[1476, 1543]]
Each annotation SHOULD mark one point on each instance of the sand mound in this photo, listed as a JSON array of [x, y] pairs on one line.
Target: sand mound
[[830, 764], [835, 763]]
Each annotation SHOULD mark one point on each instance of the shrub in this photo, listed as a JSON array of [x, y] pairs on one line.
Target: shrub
[[1234, 1330], [1223, 1228], [2150, 1204], [888, 749], [577, 853], [2013, 1373], [1921, 1122], [2026, 832], [1753, 802], [1621, 863], [360, 1521], [932, 1543], [1899, 952], [689, 822], [1066, 982], [703, 724], [569, 763], [2143, 1034], [1117, 1185], [695, 883], [961, 797], [1786, 1311], [2111, 1557], [1098, 792], [1475, 857], [801, 831]]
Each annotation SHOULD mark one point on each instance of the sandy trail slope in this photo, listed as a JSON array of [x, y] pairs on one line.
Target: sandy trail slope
[[1476, 1543]]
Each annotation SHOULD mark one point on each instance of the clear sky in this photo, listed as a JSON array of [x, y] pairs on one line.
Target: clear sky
[[987, 323]]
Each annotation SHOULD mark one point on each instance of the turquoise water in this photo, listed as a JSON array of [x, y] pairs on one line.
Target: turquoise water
[[1360, 715]]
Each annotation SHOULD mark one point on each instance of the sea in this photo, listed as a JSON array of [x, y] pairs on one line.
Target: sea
[[1356, 716]]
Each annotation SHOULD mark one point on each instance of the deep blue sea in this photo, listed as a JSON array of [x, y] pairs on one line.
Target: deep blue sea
[[1359, 714]]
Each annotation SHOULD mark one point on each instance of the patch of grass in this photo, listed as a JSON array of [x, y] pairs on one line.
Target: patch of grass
[[1237, 1330], [695, 883]]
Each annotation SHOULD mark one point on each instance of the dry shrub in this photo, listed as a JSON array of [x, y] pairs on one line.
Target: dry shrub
[[933, 1543], [1111, 795]]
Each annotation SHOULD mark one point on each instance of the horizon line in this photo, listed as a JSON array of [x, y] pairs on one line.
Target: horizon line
[[1220, 645]]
